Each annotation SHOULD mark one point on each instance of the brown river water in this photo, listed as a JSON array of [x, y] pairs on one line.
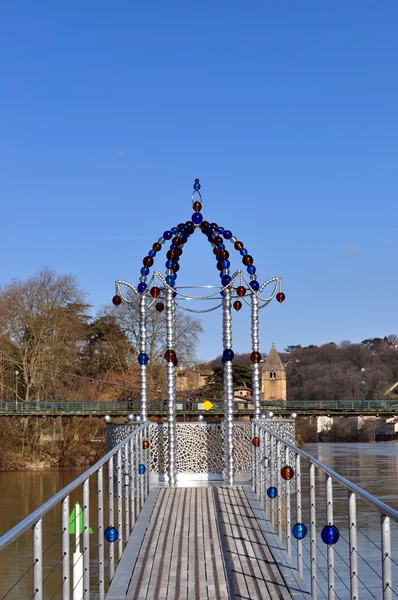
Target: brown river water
[[373, 467]]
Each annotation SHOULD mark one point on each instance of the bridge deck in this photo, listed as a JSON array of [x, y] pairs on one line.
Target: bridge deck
[[204, 543]]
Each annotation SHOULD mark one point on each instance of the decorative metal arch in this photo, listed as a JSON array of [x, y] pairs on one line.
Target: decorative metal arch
[[168, 291]]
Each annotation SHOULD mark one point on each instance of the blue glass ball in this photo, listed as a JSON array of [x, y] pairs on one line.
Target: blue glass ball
[[174, 230], [196, 186], [243, 252], [210, 237], [174, 294], [299, 531], [170, 280], [197, 218], [175, 362], [221, 246], [251, 270], [226, 280], [222, 296], [152, 253], [225, 264], [272, 492], [330, 534], [111, 534], [170, 264], [184, 238], [254, 285], [143, 358], [173, 246], [228, 354], [227, 234], [144, 271], [167, 235], [141, 469], [221, 230], [141, 287]]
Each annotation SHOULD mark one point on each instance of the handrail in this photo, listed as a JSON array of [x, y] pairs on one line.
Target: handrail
[[32, 519], [383, 508]]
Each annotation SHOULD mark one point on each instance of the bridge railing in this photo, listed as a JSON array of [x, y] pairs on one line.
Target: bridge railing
[[323, 520], [98, 509]]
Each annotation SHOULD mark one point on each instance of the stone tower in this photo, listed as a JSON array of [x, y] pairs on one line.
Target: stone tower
[[273, 377]]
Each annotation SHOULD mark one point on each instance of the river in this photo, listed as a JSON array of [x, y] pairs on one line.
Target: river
[[373, 467]]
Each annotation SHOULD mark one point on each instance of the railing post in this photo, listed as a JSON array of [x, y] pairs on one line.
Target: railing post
[[38, 561], [253, 451], [288, 510], [65, 550], [119, 503], [267, 470], [299, 514], [86, 540], [132, 483], [386, 557], [313, 533], [111, 516], [101, 550], [330, 548], [352, 524], [126, 492], [263, 461]]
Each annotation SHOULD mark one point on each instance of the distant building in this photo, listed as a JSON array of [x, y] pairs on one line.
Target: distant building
[[191, 378], [274, 377]]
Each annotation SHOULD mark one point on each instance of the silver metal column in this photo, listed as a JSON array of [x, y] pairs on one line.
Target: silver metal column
[[330, 550], [386, 557], [101, 549], [111, 516], [228, 390], [255, 365], [352, 524], [143, 368], [86, 539], [171, 388], [313, 532], [38, 560], [299, 515], [119, 479], [65, 550]]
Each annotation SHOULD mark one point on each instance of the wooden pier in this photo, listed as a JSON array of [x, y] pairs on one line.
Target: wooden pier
[[204, 543]]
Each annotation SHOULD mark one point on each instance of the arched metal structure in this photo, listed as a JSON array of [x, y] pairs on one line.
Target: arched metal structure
[[162, 290]]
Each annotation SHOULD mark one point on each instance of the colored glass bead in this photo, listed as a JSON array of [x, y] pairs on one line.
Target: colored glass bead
[[176, 267], [243, 252], [183, 239], [240, 290], [176, 241], [251, 270], [256, 442], [272, 492], [141, 287], [197, 206], [215, 251], [167, 235], [280, 297], [116, 300], [159, 306], [214, 226], [221, 230], [170, 280], [228, 354], [111, 534], [171, 254], [196, 186], [203, 226], [219, 266], [145, 444], [255, 285], [330, 534], [190, 227], [287, 472], [157, 247], [141, 469], [155, 291], [144, 271], [148, 261], [238, 245], [196, 180], [178, 251], [174, 294], [174, 230], [143, 358], [175, 362], [169, 264], [226, 280], [170, 356], [217, 240], [152, 253], [221, 247], [255, 357], [237, 305], [299, 531], [225, 264], [227, 234], [223, 255], [247, 260], [180, 226], [197, 218]]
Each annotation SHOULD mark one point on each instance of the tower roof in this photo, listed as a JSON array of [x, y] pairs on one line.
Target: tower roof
[[273, 361]]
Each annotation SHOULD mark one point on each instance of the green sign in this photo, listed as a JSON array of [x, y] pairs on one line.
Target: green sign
[[79, 520]]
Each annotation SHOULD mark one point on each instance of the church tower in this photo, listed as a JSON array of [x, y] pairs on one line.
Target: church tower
[[274, 377]]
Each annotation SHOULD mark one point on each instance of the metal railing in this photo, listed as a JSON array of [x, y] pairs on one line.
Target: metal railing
[[98, 508], [322, 519]]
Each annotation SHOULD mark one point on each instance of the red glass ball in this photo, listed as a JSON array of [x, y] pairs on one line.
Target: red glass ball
[[145, 444], [223, 255], [170, 355], [203, 226], [157, 247], [280, 297], [214, 226], [196, 180], [180, 225], [155, 291], [176, 240], [178, 251], [255, 357], [171, 255], [287, 472], [219, 266], [256, 442], [148, 261], [237, 305], [117, 300], [197, 206], [159, 306], [238, 245], [191, 226], [247, 260], [215, 251], [241, 291], [175, 268], [217, 240]]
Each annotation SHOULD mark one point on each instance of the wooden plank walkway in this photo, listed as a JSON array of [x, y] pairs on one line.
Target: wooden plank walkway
[[204, 543]]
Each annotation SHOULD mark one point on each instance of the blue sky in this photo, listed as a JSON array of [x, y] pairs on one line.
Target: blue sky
[[287, 112]]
